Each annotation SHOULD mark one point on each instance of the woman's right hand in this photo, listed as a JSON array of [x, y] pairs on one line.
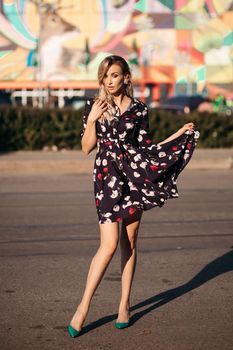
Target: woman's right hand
[[98, 108]]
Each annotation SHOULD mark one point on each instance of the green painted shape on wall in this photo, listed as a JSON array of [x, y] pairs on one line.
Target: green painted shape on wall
[[168, 3], [228, 39], [201, 74], [185, 21], [140, 5]]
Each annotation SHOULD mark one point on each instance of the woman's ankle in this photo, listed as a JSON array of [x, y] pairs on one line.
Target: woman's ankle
[[124, 305]]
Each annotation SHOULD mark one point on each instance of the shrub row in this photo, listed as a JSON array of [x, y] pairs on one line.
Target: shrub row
[[33, 129]]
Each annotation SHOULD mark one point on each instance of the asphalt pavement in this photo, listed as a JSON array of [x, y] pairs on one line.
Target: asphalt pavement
[[182, 291]]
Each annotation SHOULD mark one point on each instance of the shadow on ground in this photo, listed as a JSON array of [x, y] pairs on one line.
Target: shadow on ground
[[215, 268]]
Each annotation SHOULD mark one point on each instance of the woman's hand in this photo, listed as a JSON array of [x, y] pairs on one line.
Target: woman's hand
[[185, 127], [98, 108]]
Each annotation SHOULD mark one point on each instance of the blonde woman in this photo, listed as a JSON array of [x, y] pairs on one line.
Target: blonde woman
[[131, 174]]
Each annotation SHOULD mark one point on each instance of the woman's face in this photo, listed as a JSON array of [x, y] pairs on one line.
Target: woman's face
[[114, 79]]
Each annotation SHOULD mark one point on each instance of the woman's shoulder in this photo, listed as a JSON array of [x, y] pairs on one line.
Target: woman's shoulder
[[140, 104]]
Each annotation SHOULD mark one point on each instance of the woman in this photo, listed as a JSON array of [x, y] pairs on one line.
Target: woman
[[131, 175]]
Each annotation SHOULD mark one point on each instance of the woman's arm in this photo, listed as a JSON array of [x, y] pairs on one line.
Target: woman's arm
[[188, 126], [89, 138]]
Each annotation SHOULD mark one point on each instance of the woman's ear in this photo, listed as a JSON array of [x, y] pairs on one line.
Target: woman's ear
[[126, 79]]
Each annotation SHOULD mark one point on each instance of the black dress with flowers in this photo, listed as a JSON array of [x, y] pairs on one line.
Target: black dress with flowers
[[130, 172]]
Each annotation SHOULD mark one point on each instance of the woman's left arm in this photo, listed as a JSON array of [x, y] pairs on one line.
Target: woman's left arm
[[144, 139], [185, 127]]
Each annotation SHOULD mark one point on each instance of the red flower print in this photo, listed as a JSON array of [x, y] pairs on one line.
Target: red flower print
[[97, 202], [132, 210], [121, 156], [100, 176], [147, 180], [118, 219], [174, 148], [105, 170], [148, 141], [154, 167], [189, 145]]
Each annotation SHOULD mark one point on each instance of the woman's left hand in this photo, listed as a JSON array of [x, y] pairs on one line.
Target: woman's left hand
[[188, 126]]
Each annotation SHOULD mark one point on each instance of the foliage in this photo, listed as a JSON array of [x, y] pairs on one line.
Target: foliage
[[32, 129]]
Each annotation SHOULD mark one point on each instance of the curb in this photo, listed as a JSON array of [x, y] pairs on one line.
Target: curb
[[75, 162]]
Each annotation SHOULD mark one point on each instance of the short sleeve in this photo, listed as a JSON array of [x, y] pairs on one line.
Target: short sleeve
[[86, 113]]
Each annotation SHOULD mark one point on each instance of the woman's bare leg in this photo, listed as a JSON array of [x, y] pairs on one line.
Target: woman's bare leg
[[128, 244], [109, 235]]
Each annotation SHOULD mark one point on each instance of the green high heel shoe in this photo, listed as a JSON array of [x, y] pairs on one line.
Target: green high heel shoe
[[121, 325], [73, 332]]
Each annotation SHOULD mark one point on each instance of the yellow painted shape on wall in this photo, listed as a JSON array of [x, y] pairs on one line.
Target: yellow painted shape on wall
[[227, 19], [32, 18], [192, 6], [216, 74], [85, 15]]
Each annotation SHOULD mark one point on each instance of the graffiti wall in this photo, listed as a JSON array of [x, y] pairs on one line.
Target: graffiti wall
[[169, 41]]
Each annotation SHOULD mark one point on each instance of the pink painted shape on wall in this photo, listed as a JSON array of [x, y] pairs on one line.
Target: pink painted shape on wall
[[180, 3]]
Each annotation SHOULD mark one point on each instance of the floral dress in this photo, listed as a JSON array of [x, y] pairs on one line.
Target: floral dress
[[131, 172]]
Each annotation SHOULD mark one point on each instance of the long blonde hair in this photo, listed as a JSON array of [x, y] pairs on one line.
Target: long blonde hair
[[103, 93]]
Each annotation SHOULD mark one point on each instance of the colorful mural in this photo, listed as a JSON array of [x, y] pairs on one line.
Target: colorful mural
[[166, 41]]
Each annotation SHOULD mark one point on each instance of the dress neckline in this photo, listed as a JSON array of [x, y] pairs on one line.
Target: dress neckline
[[130, 105]]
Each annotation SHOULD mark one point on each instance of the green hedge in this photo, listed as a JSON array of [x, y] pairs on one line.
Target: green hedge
[[32, 129]]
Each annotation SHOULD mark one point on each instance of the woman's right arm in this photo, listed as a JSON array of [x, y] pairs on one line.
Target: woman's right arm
[[89, 138]]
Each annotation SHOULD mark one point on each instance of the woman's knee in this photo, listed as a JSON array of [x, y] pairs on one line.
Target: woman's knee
[[109, 238], [132, 237], [109, 248], [129, 238]]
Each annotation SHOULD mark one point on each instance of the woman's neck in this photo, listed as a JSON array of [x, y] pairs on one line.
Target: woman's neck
[[121, 99]]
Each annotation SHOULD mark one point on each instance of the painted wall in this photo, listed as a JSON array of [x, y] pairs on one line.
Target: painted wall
[[175, 41]]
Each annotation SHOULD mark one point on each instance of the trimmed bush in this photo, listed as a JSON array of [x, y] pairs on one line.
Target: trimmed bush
[[32, 129]]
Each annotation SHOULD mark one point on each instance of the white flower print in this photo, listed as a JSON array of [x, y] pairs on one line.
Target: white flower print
[[148, 193], [131, 151], [107, 215], [140, 138], [116, 207], [114, 194], [104, 162], [122, 136], [112, 182], [132, 187], [133, 165], [108, 221], [99, 195], [98, 161], [129, 125], [143, 165], [127, 204], [162, 154], [137, 157], [136, 174], [103, 128]]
